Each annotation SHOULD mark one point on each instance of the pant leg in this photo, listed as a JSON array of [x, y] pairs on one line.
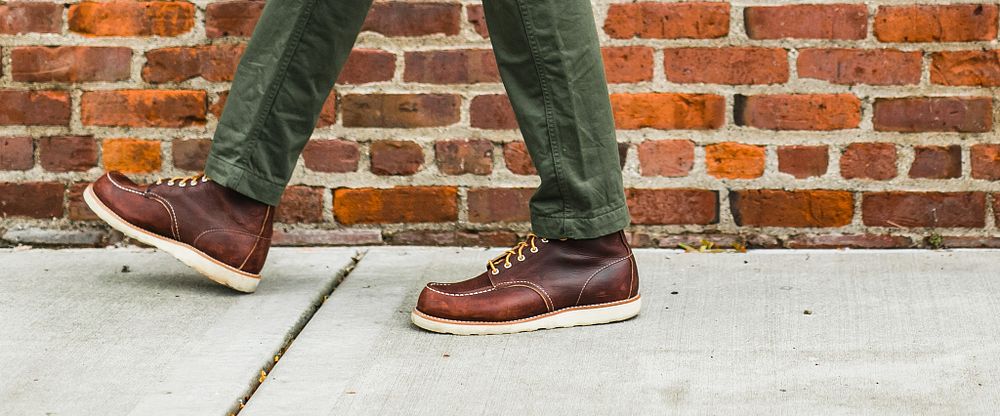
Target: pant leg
[[290, 65], [550, 62]]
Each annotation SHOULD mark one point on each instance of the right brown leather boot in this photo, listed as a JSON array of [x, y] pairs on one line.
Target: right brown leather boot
[[215, 230]]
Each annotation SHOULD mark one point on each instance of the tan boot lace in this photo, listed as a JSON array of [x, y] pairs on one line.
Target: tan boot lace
[[517, 250], [183, 181]]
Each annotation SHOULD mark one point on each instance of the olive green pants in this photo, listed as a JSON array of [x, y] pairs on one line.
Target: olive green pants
[[550, 63]]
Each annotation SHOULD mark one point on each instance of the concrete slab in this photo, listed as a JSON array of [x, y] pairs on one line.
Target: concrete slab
[[132, 331], [887, 332]]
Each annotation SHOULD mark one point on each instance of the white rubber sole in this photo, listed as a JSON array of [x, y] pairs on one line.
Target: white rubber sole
[[213, 269], [573, 316]]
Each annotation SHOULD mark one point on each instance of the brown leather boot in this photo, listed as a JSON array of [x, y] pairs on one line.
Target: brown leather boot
[[538, 284], [217, 231]]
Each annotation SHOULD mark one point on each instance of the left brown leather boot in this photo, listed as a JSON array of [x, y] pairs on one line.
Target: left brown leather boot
[[538, 284]]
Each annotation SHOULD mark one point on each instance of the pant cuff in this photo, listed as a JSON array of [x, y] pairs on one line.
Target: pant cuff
[[581, 228], [243, 181]]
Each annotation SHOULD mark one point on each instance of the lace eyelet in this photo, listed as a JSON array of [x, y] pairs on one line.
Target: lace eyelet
[[520, 258], [495, 272], [534, 249], [545, 240], [181, 184], [507, 265]]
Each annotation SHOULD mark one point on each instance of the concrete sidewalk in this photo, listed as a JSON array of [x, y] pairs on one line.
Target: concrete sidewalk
[[766, 332]]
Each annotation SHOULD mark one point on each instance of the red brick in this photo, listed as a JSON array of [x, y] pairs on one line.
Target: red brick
[[460, 66], [807, 21], [398, 18], [861, 66], [67, 153], [331, 156], [673, 158], [798, 111], [70, 63], [232, 18], [945, 114], [215, 63], [673, 206], [732, 160], [869, 161], [477, 18], [936, 23], [859, 241], [396, 205], [730, 65], [492, 205], [971, 68], [300, 204], [799, 208], [985, 161], [328, 114], [924, 209], [628, 64], [36, 107], [936, 162], [395, 157], [144, 108], [190, 154], [464, 238], [668, 111], [132, 18], [17, 153], [131, 155], [517, 159], [492, 112], [459, 157], [400, 110], [803, 161], [76, 208], [698, 20], [32, 199], [368, 65], [27, 17]]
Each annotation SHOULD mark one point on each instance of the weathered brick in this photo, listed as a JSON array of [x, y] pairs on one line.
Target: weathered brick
[[459, 157], [861, 66], [673, 158], [492, 205], [936, 162], [729, 65], [31, 199], [807, 21], [232, 18], [699, 20], [668, 111], [462, 238], [803, 161], [190, 154], [131, 18], [35, 107], [732, 160], [628, 64], [798, 111], [985, 160], [936, 23], [368, 65], [924, 209], [875, 161], [396, 205], [459, 66], [300, 204], [215, 63], [492, 112], [70, 63], [799, 208], [331, 156], [673, 206], [27, 17], [517, 159], [398, 18], [396, 157], [328, 114], [945, 114], [67, 153], [17, 153], [76, 207], [400, 110], [860, 241], [475, 16], [970, 68], [144, 108], [325, 237], [131, 155]]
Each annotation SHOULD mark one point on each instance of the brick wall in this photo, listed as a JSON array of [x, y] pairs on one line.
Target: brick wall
[[808, 125]]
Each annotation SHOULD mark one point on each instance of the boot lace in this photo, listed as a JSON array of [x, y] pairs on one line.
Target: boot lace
[[182, 181], [517, 250]]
